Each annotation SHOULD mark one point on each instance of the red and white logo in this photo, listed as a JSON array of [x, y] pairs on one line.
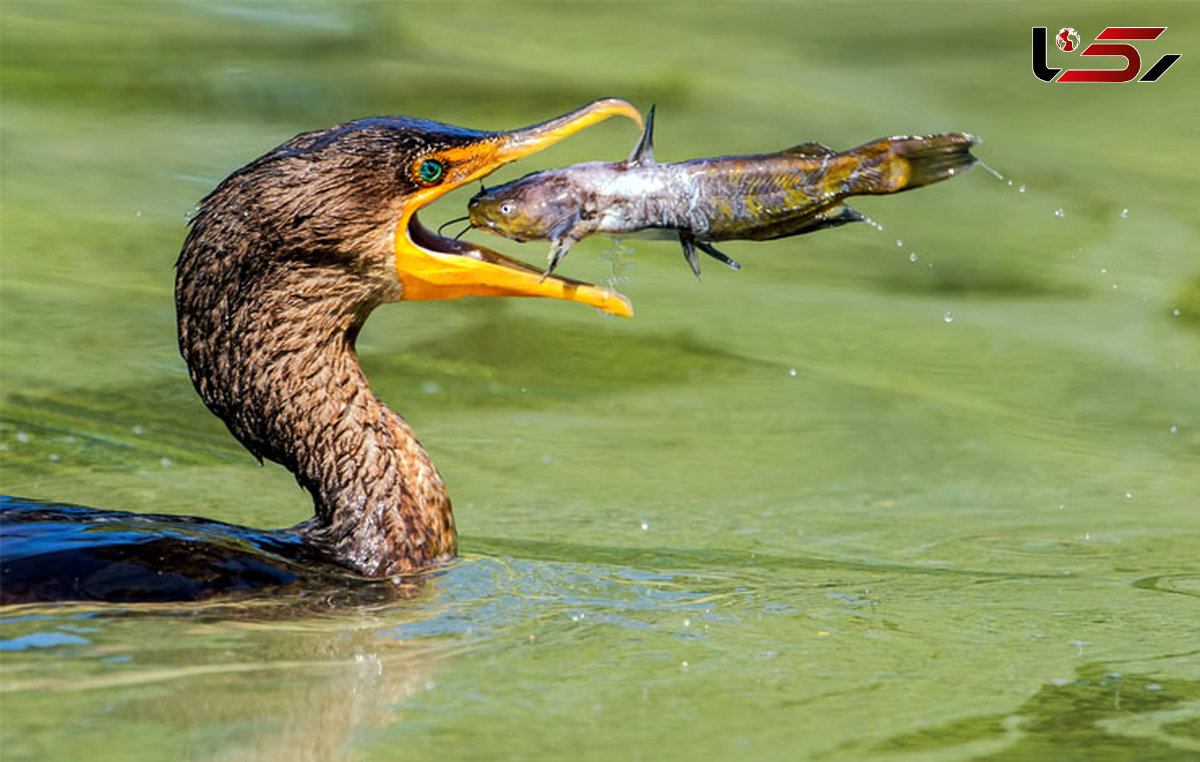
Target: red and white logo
[[1113, 42], [1067, 39]]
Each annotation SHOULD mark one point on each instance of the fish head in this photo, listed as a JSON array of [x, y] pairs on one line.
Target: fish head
[[540, 206]]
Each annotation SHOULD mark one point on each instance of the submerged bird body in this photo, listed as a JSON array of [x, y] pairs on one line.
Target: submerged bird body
[[759, 197], [284, 262], [66, 552]]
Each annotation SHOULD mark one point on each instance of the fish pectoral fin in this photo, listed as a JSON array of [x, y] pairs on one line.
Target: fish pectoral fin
[[713, 252], [565, 228], [558, 249], [689, 251], [643, 152], [811, 148]]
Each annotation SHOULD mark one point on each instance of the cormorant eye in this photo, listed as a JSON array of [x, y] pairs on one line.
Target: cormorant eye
[[431, 171]]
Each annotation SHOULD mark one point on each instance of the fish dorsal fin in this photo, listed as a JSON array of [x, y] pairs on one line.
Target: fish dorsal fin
[[643, 152], [809, 149]]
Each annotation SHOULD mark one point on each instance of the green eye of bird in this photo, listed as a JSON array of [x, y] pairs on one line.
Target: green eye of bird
[[431, 171]]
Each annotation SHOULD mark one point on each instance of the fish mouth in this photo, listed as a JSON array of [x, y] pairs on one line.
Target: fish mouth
[[432, 266], [494, 228]]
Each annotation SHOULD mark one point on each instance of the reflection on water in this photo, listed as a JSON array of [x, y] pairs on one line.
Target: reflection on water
[[294, 690], [284, 681], [278, 677], [859, 500]]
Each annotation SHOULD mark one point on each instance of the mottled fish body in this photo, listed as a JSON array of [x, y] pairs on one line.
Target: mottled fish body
[[759, 197]]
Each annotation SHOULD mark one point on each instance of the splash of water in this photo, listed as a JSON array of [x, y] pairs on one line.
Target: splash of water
[[991, 171], [872, 223], [618, 257]]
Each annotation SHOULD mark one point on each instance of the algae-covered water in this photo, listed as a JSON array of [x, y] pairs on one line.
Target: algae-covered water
[[925, 493]]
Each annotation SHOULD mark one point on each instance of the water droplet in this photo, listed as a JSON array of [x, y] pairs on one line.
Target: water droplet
[[645, 525], [1154, 687], [1124, 214], [991, 171], [54, 457], [948, 317], [1010, 183], [164, 462], [1059, 212], [1175, 312], [1114, 287], [1174, 430], [547, 458], [139, 430], [430, 387], [22, 436], [930, 265], [1079, 643], [899, 242], [912, 257], [1104, 269], [1021, 189], [1128, 495], [687, 622], [1087, 535], [791, 372]]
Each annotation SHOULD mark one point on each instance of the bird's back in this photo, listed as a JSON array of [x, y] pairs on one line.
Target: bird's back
[[64, 552]]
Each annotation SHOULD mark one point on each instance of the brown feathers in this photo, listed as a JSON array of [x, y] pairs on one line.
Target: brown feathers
[[284, 262]]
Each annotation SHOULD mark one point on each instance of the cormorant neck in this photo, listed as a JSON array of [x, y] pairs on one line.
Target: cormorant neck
[[381, 507], [271, 353]]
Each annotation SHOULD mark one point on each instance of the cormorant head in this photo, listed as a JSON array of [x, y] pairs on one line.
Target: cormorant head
[[344, 202]]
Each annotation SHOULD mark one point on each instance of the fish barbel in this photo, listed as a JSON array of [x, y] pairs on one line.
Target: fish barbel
[[759, 197]]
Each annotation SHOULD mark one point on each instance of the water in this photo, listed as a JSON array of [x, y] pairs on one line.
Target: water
[[894, 552]]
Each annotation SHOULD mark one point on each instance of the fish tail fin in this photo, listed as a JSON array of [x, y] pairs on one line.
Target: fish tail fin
[[891, 165]]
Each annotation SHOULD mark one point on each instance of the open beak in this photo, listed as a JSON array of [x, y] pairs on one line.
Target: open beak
[[431, 266]]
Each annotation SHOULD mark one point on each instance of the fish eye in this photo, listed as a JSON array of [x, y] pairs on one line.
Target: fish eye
[[507, 208], [430, 172]]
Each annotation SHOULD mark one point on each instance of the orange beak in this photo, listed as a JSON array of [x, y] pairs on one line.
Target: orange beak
[[433, 267]]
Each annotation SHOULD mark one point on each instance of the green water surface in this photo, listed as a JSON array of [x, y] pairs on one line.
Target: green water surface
[[839, 505]]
